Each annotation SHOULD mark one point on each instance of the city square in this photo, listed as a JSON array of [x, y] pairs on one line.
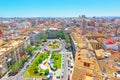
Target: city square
[[59, 40]]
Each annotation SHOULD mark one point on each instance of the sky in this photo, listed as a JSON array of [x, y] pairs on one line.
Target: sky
[[59, 8]]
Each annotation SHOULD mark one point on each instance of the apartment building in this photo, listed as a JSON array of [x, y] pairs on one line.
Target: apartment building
[[86, 66], [95, 44], [95, 36], [10, 52]]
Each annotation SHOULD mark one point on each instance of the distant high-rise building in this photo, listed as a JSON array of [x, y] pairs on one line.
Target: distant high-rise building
[[83, 24], [83, 16]]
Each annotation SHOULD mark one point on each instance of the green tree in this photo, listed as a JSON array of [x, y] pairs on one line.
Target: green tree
[[41, 55], [15, 67], [67, 45], [24, 58], [67, 38], [40, 60], [35, 71], [53, 55], [37, 62], [40, 41], [44, 37], [29, 50], [60, 34], [36, 68], [46, 71], [19, 63], [56, 58], [48, 52], [40, 73], [55, 66]]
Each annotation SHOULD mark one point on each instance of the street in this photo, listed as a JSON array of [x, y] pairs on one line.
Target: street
[[65, 66]]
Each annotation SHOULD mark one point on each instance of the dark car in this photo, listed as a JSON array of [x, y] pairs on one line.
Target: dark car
[[44, 79], [71, 66], [27, 66], [15, 73], [10, 74], [68, 77], [37, 54]]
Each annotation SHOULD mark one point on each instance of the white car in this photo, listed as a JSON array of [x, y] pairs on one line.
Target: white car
[[35, 79], [116, 74]]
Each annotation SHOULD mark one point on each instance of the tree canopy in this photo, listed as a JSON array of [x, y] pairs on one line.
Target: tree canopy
[[29, 49], [44, 36], [60, 34]]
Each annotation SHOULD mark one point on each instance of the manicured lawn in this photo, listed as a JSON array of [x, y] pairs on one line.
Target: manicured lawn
[[30, 70]]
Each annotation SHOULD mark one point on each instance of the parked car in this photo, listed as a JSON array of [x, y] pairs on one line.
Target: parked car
[[62, 60], [70, 71], [36, 54], [27, 66], [35, 79], [68, 77], [116, 74], [10, 74], [62, 75], [42, 44], [15, 73], [71, 66]]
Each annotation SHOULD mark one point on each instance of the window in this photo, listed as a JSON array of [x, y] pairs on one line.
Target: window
[[87, 64], [96, 46]]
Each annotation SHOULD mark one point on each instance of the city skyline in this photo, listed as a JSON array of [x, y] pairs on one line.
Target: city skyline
[[58, 8]]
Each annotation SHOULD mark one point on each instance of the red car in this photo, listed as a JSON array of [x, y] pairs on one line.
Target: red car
[[68, 77], [15, 73]]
